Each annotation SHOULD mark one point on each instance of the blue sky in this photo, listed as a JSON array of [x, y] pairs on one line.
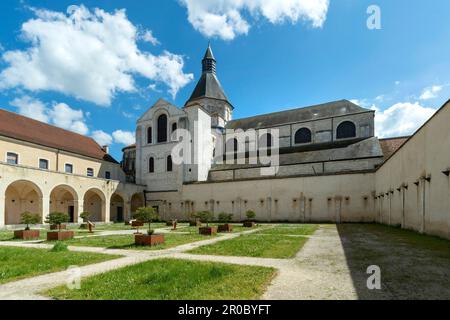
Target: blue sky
[[100, 71]]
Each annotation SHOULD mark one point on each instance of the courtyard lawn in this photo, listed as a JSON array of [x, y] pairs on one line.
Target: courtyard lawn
[[172, 279], [127, 241], [186, 228], [256, 245], [18, 263], [291, 229]]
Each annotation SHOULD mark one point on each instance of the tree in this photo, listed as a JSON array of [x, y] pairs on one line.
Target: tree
[[147, 215], [57, 219], [85, 216], [225, 217], [29, 218], [205, 217], [250, 215]]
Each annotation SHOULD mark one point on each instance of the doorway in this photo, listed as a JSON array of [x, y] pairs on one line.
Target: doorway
[[119, 214], [72, 213]]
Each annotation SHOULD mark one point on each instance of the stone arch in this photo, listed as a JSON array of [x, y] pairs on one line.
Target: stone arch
[[64, 198], [22, 196], [117, 208], [137, 201], [94, 202]]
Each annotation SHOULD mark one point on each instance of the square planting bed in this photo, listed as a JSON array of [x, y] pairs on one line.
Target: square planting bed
[[225, 227], [148, 240], [26, 234], [62, 235], [208, 231], [249, 224]]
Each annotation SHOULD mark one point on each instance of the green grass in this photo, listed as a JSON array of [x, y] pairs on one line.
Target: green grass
[[171, 279], [127, 241], [18, 263], [282, 241], [255, 245], [186, 228], [291, 229]]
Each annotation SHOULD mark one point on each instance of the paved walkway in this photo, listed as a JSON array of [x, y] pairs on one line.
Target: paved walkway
[[319, 270]]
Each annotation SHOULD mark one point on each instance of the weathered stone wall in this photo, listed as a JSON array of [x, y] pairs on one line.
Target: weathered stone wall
[[411, 188], [333, 198]]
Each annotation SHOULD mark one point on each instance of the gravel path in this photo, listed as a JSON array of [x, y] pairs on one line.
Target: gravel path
[[319, 271]]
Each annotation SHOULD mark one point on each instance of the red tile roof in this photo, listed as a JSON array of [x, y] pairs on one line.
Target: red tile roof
[[390, 145], [22, 128]]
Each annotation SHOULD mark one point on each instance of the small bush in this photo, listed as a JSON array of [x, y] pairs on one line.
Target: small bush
[[250, 215], [30, 218], [205, 216], [59, 247], [225, 217]]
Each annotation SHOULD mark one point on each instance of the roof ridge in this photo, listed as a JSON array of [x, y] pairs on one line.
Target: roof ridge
[[299, 108]]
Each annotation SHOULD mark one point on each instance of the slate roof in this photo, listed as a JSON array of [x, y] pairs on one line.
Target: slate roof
[[208, 87], [22, 128], [367, 148], [326, 110]]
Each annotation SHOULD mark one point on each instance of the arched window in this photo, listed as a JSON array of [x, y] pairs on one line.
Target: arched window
[[346, 129], [149, 135], [303, 135], [169, 164], [174, 127], [162, 128], [151, 165]]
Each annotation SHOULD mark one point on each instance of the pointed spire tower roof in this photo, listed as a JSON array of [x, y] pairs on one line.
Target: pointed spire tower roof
[[208, 86]]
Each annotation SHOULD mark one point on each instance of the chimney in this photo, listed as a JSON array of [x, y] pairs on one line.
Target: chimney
[[105, 148]]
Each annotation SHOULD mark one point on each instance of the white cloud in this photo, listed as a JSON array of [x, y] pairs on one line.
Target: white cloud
[[31, 108], [60, 114], [401, 119], [124, 137], [228, 18], [102, 137], [148, 36], [430, 93], [67, 118], [90, 55]]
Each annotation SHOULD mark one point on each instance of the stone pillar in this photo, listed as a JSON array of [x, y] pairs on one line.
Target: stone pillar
[[127, 210], [106, 208], [45, 208], [79, 206], [2, 210]]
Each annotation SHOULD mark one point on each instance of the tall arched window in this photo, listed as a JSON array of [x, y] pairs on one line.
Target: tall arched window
[[346, 129], [162, 128], [151, 165], [174, 127], [149, 135], [169, 164], [303, 135]]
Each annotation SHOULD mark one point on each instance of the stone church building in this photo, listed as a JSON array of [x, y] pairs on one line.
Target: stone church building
[[330, 166], [319, 163]]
